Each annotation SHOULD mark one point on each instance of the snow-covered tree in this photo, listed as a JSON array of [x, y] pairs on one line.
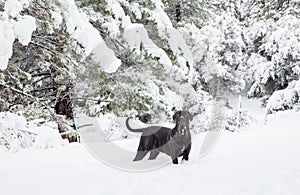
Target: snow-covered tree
[[154, 75], [143, 58], [37, 79], [274, 61], [187, 11], [219, 51]]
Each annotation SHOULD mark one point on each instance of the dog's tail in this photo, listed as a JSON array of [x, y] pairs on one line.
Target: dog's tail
[[131, 129]]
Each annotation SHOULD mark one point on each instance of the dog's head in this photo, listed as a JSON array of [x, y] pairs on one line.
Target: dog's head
[[182, 120]]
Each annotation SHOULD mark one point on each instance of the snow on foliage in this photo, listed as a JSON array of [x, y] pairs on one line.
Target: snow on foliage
[[82, 30], [232, 119], [136, 34], [111, 127], [11, 136], [47, 137], [13, 8], [260, 71], [276, 61], [164, 68], [157, 66], [285, 99], [14, 26], [175, 39], [219, 51], [163, 29], [17, 133], [115, 8], [6, 38], [24, 27]]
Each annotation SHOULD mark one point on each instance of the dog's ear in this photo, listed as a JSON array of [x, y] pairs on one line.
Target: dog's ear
[[176, 115]]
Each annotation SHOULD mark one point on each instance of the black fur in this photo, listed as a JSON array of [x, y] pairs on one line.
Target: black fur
[[174, 142]]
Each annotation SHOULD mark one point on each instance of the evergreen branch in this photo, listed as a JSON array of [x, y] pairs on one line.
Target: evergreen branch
[[53, 52], [17, 90], [43, 89], [45, 39], [43, 78], [90, 99], [41, 74], [52, 114]]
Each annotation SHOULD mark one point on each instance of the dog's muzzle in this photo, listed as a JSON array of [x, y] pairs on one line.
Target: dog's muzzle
[[183, 131]]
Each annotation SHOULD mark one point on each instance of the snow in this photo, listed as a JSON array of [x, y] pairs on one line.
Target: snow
[[20, 27], [280, 42], [47, 137], [136, 34], [136, 10], [258, 160], [106, 57], [116, 9], [57, 18], [285, 99], [23, 28], [12, 139], [83, 31], [175, 39], [180, 49], [6, 39], [13, 7], [80, 28], [218, 50], [112, 27], [16, 133], [6, 118]]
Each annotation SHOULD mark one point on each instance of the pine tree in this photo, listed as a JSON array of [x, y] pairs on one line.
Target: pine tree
[[38, 78], [274, 42], [142, 85], [187, 11]]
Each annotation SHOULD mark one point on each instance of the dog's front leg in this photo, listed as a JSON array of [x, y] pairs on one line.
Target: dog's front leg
[[186, 152], [173, 156], [172, 152]]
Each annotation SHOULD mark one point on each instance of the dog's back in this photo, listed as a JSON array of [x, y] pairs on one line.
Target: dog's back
[[147, 130]]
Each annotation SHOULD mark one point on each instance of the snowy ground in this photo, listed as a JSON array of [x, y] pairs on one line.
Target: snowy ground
[[257, 160]]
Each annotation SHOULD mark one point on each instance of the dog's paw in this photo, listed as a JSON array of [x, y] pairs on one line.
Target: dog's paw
[[183, 161], [175, 161]]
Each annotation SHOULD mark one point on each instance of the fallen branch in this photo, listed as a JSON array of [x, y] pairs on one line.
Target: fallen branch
[[87, 125], [26, 131]]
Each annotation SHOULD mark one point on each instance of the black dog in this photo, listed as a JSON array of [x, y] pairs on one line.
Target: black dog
[[174, 142]]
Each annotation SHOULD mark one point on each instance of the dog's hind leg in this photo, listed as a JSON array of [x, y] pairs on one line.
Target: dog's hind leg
[[153, 154], [140, 155], [175, 160], [142, 150]]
